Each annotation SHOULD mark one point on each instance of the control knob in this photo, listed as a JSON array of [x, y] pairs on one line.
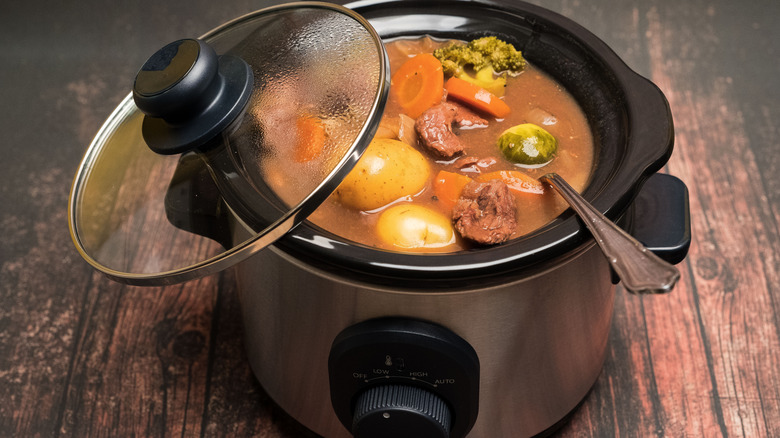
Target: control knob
[[391, 411]]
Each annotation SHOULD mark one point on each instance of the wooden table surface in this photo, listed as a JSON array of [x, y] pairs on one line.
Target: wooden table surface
[[83, 356]]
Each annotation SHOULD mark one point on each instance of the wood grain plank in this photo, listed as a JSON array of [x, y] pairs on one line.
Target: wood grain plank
[[141, 361], [732, 273], [38, 312]]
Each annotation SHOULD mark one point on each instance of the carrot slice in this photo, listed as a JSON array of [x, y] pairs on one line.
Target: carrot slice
[[477, 97], [311, 139], [518, 182], [419, 84], [447, 187]]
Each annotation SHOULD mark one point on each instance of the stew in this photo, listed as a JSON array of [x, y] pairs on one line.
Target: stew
[[455, 162]]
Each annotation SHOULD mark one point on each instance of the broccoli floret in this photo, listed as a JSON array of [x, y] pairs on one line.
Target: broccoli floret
[[485, 61], [499, 55], [456, 56]]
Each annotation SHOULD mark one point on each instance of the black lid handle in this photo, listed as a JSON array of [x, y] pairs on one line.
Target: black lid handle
[[181, 78], [189, 95]]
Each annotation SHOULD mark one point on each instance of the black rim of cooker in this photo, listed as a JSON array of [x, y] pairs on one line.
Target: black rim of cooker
[[629, 116]]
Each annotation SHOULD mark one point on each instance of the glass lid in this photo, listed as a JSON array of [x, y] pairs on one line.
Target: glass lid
[[227, 142]]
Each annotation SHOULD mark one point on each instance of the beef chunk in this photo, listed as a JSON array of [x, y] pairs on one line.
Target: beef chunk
[[468, 163], [465, 118], [485, 212], [434, 128], [471, 164]]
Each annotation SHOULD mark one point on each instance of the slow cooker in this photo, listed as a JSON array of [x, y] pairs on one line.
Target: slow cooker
[[352, 340]]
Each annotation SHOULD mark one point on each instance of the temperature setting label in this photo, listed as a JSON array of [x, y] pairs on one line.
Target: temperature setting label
[[400, 374]]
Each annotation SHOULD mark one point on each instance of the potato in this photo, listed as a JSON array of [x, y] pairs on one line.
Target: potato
[[387, 171], [411, 226]]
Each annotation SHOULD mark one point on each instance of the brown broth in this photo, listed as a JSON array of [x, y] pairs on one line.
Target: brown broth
[[534, 98]]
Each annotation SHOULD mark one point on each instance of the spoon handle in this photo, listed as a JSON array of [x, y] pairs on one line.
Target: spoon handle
[[641, 271]]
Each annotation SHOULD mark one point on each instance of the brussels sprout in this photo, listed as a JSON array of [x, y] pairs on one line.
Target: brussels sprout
[[528, 145]]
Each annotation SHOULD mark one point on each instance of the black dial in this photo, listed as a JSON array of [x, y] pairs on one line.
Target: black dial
[[398, 377], [392, 411]]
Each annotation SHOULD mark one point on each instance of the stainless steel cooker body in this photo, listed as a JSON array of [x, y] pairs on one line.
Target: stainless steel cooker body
[[536, 312], [540, 339]]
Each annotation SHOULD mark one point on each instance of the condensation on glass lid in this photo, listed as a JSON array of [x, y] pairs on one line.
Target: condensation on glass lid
[[308, 114]]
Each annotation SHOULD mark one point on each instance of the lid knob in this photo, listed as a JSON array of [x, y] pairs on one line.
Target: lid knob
[[189, 95]]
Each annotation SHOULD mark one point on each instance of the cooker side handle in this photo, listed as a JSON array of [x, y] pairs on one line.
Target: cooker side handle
[[193, 202], [661, 218]]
